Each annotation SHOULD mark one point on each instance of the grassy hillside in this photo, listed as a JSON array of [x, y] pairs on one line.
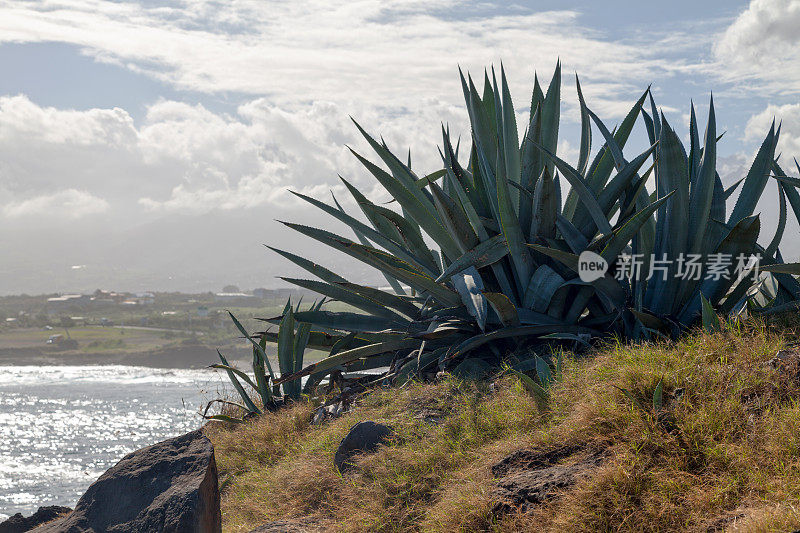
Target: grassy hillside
[[722, 453]]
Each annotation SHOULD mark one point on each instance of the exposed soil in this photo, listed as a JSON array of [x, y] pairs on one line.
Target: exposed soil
[[300, 525], [529, 477]]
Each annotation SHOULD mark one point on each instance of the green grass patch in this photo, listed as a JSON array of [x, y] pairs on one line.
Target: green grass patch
[[723, 451]]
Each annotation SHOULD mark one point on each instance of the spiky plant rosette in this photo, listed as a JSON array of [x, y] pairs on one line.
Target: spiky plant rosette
[[502, 277]]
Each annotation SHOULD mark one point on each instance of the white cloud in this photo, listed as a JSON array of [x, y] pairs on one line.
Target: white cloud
[[391, 53], [43, 149], [296, 71], [69, 203], [304, 66], [249, 160], [733, 167], [22, 119], [789, 143], [761, 45], [189, 159]]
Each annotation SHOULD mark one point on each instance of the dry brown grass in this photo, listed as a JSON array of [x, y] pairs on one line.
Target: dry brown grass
[[723, 455]]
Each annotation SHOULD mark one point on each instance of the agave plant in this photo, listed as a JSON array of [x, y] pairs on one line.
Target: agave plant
[[783, 271], [502, 277], [292, 340], [483, 284], [693, 222], [543, 375]]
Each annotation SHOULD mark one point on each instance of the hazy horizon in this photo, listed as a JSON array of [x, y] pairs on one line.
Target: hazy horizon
[[149, 146]]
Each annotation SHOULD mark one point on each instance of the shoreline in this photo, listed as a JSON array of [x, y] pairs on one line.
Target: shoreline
[[189, 356]]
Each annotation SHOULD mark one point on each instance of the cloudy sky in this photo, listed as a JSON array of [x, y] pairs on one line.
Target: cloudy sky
[[150, 145]]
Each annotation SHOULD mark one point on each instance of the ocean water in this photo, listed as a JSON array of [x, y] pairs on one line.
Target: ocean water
[[61, 427]]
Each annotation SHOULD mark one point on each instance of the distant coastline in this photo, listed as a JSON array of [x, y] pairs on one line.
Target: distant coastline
[[177, 356], [149, 329]]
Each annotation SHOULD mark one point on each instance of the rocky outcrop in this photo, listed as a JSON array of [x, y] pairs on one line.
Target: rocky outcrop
[[168, 487], [527, 478], [19, 523], [364, 437]]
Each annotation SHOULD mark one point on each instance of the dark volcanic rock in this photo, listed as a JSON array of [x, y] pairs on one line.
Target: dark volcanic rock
[[526, 460], [430, 416], [364, 437], [19, 523], [785, 359], [168, 487], [528, 478]]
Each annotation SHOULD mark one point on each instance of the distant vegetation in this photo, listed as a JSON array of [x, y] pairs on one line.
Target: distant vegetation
[[94, 319]]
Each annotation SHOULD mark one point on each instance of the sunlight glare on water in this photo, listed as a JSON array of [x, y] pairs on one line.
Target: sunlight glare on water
[[61, 427]]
